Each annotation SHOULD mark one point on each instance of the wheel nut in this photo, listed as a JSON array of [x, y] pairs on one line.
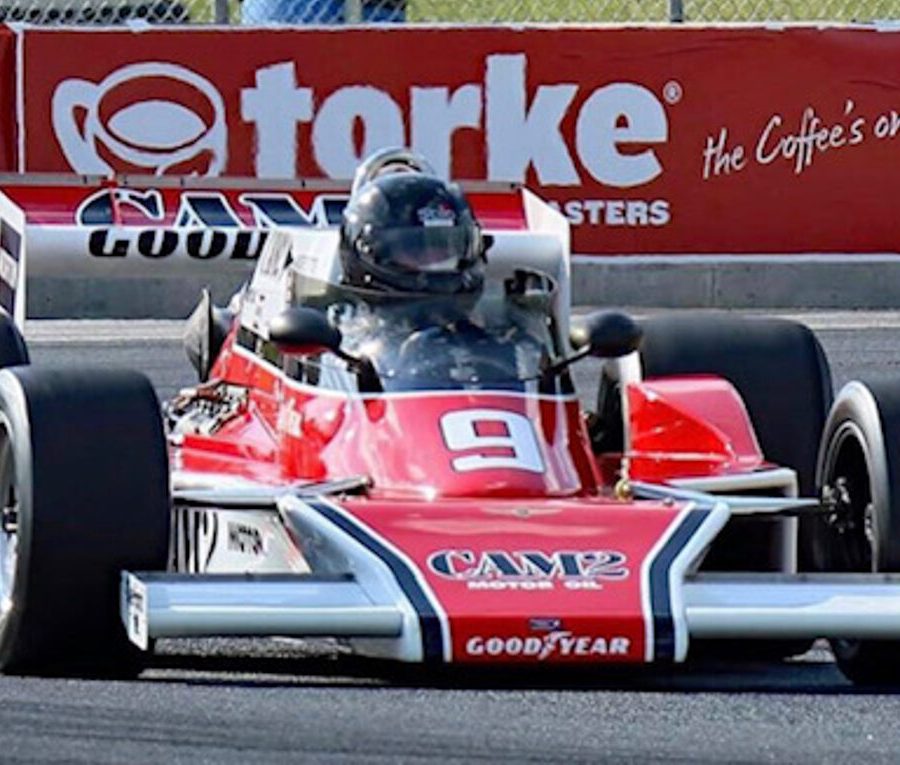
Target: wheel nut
[[9, 520]]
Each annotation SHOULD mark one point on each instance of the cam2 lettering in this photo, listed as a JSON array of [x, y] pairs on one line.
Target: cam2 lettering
[[529, 569]]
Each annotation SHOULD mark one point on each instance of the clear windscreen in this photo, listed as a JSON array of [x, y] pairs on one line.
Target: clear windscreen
[[498, 339]]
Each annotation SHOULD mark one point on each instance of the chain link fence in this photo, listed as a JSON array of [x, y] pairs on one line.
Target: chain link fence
[[104, 12]]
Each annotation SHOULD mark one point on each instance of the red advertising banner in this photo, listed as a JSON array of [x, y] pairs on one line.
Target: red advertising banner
[[7, 99], [662, 140]]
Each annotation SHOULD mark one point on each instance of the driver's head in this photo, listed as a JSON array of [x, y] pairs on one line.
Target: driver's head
[[410, 232]]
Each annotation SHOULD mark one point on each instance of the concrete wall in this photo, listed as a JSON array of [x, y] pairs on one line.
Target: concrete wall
[[666, 282], [797, 281]]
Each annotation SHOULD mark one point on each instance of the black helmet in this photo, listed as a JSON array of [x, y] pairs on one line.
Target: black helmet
[[411, 232]]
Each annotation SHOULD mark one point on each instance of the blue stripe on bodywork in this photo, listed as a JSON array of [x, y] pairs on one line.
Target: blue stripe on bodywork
[[660, 594], [429, 623]]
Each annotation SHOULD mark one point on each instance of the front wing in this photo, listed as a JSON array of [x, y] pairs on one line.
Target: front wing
[[269, 562]]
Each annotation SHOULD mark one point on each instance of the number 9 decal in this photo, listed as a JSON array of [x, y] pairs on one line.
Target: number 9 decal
[[501, 440]]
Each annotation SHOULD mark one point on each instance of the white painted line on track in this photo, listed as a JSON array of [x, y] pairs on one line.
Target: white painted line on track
[[123, 331], [625, 260], [846, 320], [815, 319], [102, 331]]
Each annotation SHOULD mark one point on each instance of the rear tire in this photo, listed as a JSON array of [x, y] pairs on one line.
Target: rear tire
[[859, 469], [84, 493]]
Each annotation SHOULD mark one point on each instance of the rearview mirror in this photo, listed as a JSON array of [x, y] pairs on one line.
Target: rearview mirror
[[204, 334], [608, 334], [301, 330]]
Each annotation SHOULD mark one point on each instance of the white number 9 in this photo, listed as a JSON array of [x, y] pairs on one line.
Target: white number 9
[[494, 429]]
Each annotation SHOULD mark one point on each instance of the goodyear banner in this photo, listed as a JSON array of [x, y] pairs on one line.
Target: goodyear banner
[[662, 140], [130, 226]]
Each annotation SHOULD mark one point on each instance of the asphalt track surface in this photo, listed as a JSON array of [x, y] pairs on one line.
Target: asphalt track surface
[[278, 701]]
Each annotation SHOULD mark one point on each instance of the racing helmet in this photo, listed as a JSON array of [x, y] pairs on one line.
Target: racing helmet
[[411, 232]]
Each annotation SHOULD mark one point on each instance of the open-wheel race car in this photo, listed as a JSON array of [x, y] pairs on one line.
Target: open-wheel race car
[[385, 446]]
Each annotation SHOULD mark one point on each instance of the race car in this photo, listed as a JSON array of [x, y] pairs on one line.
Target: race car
[[385, 446]]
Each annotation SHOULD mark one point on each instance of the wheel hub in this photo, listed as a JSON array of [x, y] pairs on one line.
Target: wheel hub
[[850, 515], [9, 520], [9, 548], [869, 523], [839, 504]]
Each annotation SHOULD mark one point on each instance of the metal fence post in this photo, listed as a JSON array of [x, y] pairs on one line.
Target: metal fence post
[[353, 11], [221, 11], [676, 11]]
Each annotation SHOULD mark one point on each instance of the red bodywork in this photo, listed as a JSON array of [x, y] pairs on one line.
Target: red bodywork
[[494, 498], [502, 528], [680, 427], [694, 426]]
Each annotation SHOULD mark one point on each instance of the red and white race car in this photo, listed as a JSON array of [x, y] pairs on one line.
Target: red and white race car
[[414, 474]]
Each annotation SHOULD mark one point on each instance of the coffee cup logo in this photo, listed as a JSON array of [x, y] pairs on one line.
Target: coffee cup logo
[[153, 117]]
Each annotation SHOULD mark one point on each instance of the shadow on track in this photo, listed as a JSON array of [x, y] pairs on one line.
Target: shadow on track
[[814, 674]]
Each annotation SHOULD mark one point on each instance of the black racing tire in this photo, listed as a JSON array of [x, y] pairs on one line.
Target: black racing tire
[[859, 468], [782, 374], [13, 351], [84, 495]]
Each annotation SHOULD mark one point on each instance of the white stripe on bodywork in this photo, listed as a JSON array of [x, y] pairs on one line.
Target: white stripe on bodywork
[[376, 578], [783, 480], [9, 269], [372, 574], [646, 604], [412, 567], [683, 563], [14, 217]]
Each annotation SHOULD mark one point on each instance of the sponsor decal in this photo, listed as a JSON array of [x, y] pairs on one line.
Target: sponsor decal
[[648, 141], [544, 624], [165, 118], [615, 212], [10, 260], [245, 539], [208, 209], [519, 132], [151, 117], [204, 225], [530, 569], [196, 536], [290, 421], [161, 243], [556, 644], [136, 611], [437, 215]]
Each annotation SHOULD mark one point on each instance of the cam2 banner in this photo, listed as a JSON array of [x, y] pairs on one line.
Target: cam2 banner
[[657, 140]]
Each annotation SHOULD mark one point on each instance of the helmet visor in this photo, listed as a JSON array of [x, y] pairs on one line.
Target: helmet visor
[[424, 249]]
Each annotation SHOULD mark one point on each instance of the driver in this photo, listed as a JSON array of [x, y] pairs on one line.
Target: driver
[[407, 232], [411, 235]]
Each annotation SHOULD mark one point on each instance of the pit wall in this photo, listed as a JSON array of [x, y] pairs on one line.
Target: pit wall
[[658, 142]]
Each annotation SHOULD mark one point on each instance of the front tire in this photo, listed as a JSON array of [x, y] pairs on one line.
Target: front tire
[[859, 475], [777, 366], [783, 377], [13, 351], [84, 494]]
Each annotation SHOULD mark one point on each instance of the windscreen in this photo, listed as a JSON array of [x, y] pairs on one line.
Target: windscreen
[[499, 339]]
